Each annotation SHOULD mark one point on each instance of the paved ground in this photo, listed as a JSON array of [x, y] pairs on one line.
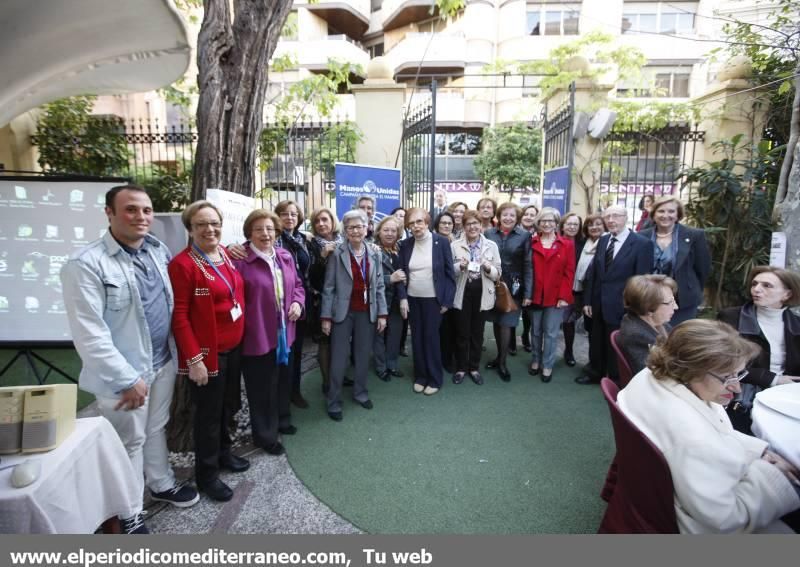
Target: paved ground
[[268, 498]]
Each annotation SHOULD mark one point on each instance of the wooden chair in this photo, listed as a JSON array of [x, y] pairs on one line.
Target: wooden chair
[[642, 499], [624, 369]]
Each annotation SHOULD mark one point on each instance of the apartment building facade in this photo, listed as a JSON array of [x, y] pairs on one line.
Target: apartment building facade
[[675, 37]]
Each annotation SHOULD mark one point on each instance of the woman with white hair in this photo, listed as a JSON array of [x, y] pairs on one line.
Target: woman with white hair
[[353, 309]]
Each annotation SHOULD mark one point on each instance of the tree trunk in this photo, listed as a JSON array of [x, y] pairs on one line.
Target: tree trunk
[[789, 161], [233, 55], [233, 52], [787, 201]]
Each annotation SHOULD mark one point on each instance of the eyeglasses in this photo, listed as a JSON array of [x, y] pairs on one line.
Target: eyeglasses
[[354, 227], [613, 215], [732, 379], [445, 223], [670, 302], [548, 221], [289, 214], [204, 225]]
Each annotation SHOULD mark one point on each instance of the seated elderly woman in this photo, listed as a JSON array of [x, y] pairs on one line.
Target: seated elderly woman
[[767, 322], [649, 302], [724, 481]]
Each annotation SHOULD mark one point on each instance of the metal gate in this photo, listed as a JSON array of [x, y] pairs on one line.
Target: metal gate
[[558, 154], [638, 164], [418, 150]]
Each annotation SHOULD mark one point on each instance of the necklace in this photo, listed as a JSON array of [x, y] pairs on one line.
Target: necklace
[[665, 235]]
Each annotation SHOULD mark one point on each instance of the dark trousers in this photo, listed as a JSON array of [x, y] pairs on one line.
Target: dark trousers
[[469, 324], [211, 418], [387, 344], [404, 334], [683, 314], [425, 321], [602, 361], [267, 386], [526, 326], [296, 361], [447, 339], [357, 327]]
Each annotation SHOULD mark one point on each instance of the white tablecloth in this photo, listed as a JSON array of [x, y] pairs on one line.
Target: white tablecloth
[[85, 481], [776, 420]]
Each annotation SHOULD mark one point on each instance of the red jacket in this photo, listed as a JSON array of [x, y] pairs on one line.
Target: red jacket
[[553, 271], [194, 323]]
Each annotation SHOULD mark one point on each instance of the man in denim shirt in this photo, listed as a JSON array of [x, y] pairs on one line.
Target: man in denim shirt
[[119, 303]]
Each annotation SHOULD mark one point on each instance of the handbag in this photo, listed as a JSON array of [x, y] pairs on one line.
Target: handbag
[[741, 407], [503, 302]]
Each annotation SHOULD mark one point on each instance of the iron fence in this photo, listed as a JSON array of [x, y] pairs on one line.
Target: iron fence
[[295, 162], [298, 162], [419, 154], [637, 164]]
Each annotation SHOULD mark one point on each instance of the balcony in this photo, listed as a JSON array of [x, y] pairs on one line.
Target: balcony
[[445, 55], [314, 54], [399, 13], [347, 16]]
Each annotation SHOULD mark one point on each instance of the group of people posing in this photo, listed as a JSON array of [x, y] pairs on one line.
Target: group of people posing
[[214, 313]]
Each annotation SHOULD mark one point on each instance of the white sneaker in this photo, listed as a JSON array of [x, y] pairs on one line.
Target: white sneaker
[[418, 388], [430, 390]]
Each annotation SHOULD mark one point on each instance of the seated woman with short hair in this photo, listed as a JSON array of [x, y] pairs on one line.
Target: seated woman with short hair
[[650, 302], [724, 481]]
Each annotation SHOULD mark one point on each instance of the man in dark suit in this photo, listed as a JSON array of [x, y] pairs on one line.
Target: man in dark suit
[[620, 254], [439, 203]]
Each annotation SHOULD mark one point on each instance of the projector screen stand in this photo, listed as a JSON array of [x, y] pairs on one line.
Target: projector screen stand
[[29, 356]]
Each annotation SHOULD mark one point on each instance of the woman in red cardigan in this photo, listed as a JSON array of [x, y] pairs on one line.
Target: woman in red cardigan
[[553, 272], [208, 324]]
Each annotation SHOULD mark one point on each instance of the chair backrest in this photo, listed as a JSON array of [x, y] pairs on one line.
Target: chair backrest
[[625, 371], [643, 500]]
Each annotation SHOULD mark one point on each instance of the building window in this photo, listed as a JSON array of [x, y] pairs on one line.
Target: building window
[[659, 17], [673, 84], [659, 82], [552, 19], [375, 50]]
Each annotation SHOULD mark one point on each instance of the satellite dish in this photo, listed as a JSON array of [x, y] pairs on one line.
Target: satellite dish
[[601, 123], [580, 125]]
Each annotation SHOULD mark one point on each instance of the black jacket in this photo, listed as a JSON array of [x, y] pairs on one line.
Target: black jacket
[[635, 339], [515, 258], [691, 266], [744, 320]]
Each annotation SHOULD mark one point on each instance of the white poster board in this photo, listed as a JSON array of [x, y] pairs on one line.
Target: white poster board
[[777, 253], [234, 208]]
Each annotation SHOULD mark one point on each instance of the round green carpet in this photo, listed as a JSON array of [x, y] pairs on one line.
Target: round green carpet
[[503, 458]]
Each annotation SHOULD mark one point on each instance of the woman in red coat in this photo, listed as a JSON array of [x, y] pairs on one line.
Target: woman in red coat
[[553, 270], [208, 324]]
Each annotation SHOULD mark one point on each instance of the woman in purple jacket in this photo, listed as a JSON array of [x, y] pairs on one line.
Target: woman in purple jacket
[[274, 300]]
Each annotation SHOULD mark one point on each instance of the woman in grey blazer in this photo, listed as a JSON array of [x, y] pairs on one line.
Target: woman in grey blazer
[[353, 309]]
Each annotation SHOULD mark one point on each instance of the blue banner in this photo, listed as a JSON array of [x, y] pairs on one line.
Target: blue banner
[[556, 189], [354, 181]]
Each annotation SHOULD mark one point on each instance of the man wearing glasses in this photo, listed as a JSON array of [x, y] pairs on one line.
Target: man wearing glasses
[[119, 305], [620, 255], [367, 204]]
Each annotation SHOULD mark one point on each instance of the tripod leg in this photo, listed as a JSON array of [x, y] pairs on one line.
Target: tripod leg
[[11, 362]]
